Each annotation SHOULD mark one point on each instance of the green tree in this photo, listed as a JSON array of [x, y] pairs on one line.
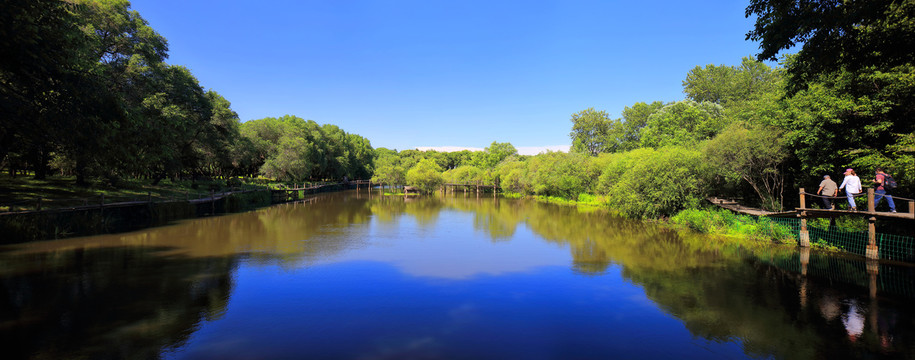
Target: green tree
[[850, 119], [625, 133], [683, 123], [388, 169], [754, 155], [557, 174], [425, 175], [496, 152], [128, 60], [46, 88], [834, 35], [167, 128], [726, 85], [590, 131], [648, 183], [214, 147]]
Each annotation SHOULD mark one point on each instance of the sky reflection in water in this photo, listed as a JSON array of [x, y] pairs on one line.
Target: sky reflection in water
[[348, 276]]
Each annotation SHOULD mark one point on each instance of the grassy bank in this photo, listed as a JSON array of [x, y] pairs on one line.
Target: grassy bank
[[727, 223], [22, 193], [714, 222]]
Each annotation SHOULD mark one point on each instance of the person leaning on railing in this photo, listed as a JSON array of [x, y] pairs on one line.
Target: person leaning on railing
[[852, 186], [828, 188]]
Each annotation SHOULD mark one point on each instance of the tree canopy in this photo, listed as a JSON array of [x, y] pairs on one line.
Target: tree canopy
[[834, 35]]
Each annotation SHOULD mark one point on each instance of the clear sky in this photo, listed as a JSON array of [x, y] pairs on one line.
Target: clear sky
[[408, 74]]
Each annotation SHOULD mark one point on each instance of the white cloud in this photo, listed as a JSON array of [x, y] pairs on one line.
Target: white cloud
[[522, 150], [447, 148], [534, 150]]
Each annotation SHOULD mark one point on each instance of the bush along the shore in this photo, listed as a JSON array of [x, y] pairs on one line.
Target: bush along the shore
[[724, 222]]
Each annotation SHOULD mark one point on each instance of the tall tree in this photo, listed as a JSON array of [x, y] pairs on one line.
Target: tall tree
[[426, 175], [128, 55], [727, 85], [755, 155], [496, 152], [684, 123], [590, 131], [629, 130], [43, 77], [834, 34]]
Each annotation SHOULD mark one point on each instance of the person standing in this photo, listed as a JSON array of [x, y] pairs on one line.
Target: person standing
[[852, 186], [881, 180], [827, 188]]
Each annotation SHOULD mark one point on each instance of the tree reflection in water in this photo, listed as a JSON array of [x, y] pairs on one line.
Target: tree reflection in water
[[143, 294]]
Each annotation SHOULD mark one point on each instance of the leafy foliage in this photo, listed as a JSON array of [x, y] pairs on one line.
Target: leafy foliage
[[684, 123], [426, 175], [834, 35], [590, 131], [754, 155], [650, 183]]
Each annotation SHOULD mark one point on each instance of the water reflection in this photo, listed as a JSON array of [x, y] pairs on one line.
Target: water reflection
[[113, 302], [358, 275]]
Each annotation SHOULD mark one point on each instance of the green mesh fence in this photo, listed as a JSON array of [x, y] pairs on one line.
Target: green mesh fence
[[894, 247], [891, 279]]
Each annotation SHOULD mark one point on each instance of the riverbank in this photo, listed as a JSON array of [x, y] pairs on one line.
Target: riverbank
[[24, 193], [708, 221], [45, 224]]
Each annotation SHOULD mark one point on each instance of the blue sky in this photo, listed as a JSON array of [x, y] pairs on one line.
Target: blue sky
[[408, 74]]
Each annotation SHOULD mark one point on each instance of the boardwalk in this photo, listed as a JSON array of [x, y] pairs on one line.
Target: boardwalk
[[803, 212], [815, 212], [740, 209]]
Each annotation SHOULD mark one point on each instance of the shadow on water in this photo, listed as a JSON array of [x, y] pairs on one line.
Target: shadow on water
[[143, 294], [107, 303]]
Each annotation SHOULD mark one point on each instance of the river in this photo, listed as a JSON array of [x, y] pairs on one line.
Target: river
[[359, 276]]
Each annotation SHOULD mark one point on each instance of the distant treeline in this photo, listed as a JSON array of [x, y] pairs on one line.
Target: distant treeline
[[85, 91], [741, 131]]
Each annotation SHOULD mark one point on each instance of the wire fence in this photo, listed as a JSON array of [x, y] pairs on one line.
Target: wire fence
[[890, 246], [890, 278]]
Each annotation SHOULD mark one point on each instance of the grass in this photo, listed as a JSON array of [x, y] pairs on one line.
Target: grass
[[22, 193], [584, 200], [724, 222]]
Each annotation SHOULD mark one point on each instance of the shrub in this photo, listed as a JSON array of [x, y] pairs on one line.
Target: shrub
[[652, 183], [724, 222], [426, 175]]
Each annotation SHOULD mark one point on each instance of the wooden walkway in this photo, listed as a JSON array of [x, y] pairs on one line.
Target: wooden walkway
[[810, 212], [740, 209], [804, 213]]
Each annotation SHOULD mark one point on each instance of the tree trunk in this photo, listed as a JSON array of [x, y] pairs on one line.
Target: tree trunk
[[80, 172], [40, 158]]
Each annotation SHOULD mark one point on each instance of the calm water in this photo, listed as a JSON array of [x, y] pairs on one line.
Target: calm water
[[348, 276]]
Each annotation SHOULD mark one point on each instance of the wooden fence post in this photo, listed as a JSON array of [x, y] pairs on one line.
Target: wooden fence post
[[803, 199], [870, 200], [872, 251], [804, 235]]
